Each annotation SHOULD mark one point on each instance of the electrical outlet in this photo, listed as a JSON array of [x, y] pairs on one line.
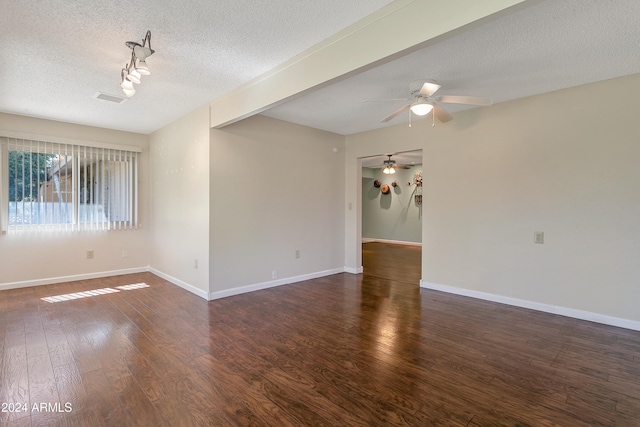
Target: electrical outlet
[[297, 253], [274, 274], [195, 263], [89, 254], [125, 253], [538, 237]]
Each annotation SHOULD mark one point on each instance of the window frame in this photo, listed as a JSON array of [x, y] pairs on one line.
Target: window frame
[[129, 159]]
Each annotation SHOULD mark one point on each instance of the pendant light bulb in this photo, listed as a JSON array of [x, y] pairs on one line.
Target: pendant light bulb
[[134, 76], [142, 68], [126, 84], [129, 92]]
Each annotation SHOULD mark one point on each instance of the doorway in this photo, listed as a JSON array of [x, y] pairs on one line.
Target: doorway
[[391, 216]]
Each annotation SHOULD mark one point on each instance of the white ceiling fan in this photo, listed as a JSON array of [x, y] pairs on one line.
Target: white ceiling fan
[[424, 101]]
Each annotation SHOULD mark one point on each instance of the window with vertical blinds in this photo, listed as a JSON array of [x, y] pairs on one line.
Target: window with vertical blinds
[[60, 186]]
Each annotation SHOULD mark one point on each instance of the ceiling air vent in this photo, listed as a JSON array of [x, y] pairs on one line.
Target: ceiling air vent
[[111, 98]]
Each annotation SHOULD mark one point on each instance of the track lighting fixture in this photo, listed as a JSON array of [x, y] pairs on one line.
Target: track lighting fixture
[[137, 66]]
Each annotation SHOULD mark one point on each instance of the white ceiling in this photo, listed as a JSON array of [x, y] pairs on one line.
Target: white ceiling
[[55, 56], [549, 46]]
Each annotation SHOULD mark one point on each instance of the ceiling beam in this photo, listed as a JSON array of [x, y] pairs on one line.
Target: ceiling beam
[[395, 30]]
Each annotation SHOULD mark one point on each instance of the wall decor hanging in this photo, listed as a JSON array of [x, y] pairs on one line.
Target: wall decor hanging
[[385, 189], [376, 183], [417, 181]]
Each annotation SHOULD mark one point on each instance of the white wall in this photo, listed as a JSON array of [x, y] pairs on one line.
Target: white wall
[[565, 163], [275, 187], [393, 216], [47, 257], [179, 178]]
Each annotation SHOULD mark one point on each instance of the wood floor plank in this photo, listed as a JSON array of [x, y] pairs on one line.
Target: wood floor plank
[[24, 421], [14, 387], [325, 377], [70, 387], [140, 409], [371, 349], [43, 391], [103, 401], [384, 390], [268, 411]]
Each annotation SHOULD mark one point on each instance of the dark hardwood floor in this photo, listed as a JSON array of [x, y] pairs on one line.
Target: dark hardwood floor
[[400, 263], [344, 350]]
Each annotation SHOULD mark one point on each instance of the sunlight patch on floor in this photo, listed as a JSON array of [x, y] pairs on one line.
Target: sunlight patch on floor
[[93, 293]]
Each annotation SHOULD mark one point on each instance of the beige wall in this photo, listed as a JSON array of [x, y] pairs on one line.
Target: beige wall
[[179, 177], [31, 258], [242, 199], [275, 187], [565, 163]]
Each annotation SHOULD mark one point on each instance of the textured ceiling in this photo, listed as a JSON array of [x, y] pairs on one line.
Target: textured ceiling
[[549, 46], [55, 56]]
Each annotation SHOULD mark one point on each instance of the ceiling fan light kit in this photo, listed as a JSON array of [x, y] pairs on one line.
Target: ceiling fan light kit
[[390, 166], [424, 102], [421, 108], [137, 66]]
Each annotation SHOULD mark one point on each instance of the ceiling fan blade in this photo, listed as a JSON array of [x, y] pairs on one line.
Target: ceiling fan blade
[[441, 114], [395, 113], [469, 100], [429, 89]]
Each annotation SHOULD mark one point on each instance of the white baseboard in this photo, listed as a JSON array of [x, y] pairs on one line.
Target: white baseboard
[[547, 308], [394, 242], [354, 270], [272, 283], [72, 278], [184, 285]]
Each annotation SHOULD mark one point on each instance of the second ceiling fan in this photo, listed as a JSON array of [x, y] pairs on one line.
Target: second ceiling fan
[[390, 166], [424, 101]]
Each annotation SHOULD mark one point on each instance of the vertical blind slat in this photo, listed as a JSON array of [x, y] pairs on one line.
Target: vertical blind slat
[[119, 186], [135, 192], [130, 180], [110, 188], [55, 190], [102, 186]]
